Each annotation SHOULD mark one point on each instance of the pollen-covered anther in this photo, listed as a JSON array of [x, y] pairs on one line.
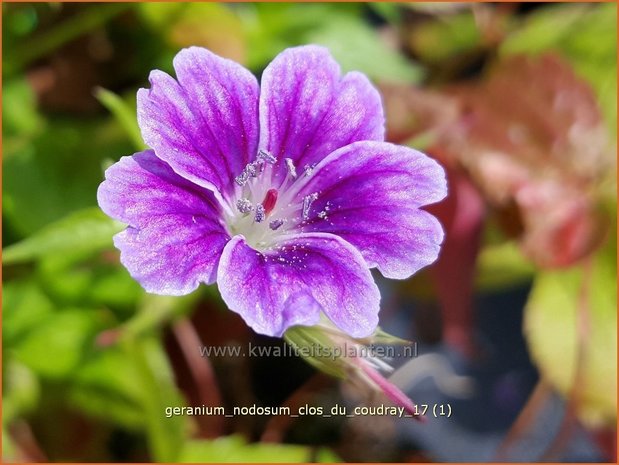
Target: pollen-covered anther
[[307, 204], [292, 171], [244, 206], [254, 168], [276, 224], [308, 169], [242, 178], [260, 214], [266, 156]]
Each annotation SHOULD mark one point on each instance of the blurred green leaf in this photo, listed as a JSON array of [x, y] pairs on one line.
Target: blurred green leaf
[[83, 279], [161, 14], [125, 114], [154, 376], [156, 310], [584, 33], [271, 27], [19, 109], [387, 10], [21, 391], [358, 47], [24, 306], [442, 39], [502, 266], [56, 346], [113, 286], [57, 172], [552, 325], [8, 448], [202, 24], [45, 42], [234, 449], [105, 387], [85, 230]]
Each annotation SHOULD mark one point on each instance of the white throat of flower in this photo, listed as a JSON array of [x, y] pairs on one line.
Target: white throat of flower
[[262, 213]]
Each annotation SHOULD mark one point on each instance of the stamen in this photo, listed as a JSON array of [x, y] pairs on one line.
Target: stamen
[[276, 224], [308, 169], [292, 171], [244, 206], [242, 178], [266, 156], [307, 204], [269, 200], [260, 214], [254, 168]]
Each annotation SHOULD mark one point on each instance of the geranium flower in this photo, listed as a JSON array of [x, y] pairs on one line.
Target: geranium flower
[[284, 194]]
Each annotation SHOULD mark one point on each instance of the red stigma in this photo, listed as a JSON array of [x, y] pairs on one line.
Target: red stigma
[[269, 200]]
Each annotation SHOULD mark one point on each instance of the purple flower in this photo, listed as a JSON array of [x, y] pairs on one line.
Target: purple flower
[[285, 194]]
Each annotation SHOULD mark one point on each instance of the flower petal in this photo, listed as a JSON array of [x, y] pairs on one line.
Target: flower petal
[[307, 110], [205, 125], [175, 234], [369, 193], [290, 285]]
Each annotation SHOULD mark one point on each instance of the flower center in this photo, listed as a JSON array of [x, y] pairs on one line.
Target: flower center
[[263, 212]]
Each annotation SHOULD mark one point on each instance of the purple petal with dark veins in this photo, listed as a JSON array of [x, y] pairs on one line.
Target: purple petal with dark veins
[[205, 125], [307, 110], [369, 193], [289, 286], [175, 234]]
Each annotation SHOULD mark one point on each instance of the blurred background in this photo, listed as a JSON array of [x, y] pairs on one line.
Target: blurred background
[[515, 324]]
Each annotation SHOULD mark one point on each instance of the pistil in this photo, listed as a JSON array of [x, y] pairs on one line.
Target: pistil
[[270, 199]]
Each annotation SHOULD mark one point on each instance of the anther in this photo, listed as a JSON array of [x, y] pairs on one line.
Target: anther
[[276, 224], [266, 156], [254, 168], [244, 206], [307, 204], [292, 171], [242, 178], [270, 199], [260, 214], [308, 169]]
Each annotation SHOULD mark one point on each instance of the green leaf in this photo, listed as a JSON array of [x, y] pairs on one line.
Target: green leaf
[[24, 306], [204, 24], [156, 310], [19, 109], [83, 231], [57, 345], [271, 27], [442, 39], [153, 375], [125, 114], [50, 39], [502, 266], [105, 387], [234, 449], [89, 278], [552, 325], [358, 47], [9, 452], [57, 173], [389, 11], [21, 391]]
